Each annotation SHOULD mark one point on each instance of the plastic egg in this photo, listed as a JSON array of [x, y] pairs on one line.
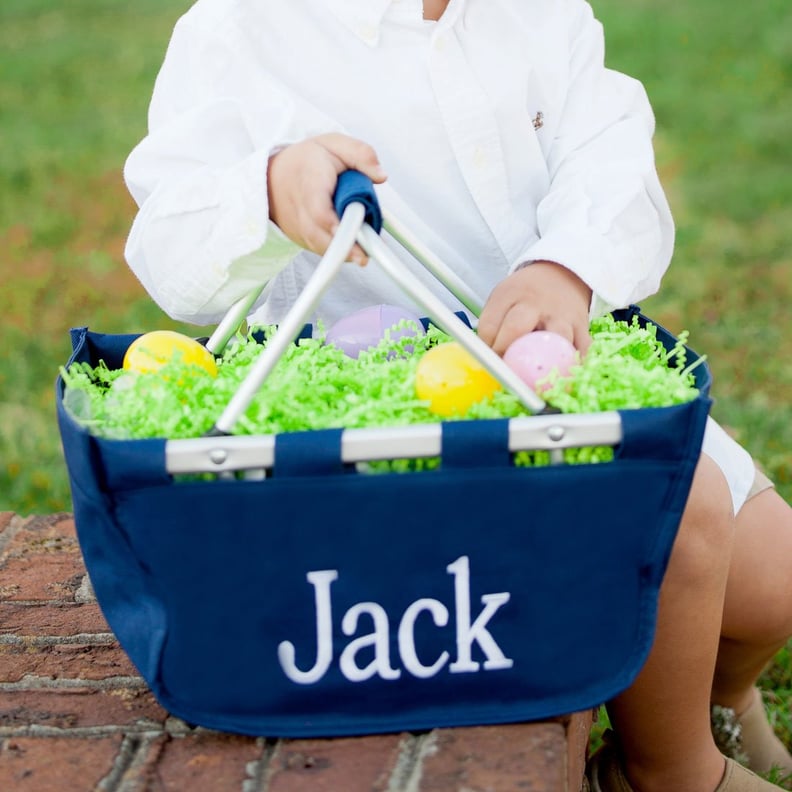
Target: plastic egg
[[151, 351], [452, 380], [535, 356], [367, 327]]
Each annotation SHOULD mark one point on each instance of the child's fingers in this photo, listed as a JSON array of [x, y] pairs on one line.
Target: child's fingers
[[505, 317], [301, 180], [518, 320], [321, 223], [353, 154], [577, 334], [314, 220], [317, 231], [358, 256], [543, 296], [582, 339]]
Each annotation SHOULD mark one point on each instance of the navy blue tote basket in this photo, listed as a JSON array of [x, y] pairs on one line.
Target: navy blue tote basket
[[323, 601], [318, 600]]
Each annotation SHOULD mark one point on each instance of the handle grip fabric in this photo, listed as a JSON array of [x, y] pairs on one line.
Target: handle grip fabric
[[355, 187]]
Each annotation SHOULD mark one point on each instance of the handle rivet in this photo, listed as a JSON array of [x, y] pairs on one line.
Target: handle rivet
[[218, 456], [556, 433]]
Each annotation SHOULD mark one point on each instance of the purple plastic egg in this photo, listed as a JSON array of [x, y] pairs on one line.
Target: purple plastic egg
[[536, 355], [366, 328]]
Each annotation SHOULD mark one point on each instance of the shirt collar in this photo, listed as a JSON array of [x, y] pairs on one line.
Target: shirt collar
[[364, 17]]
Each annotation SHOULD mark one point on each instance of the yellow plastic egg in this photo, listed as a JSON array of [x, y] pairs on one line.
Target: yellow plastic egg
[[151, 351], [452, 380]]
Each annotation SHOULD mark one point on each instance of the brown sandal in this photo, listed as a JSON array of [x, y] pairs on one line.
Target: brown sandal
[[740, 779], [604, 773], [604, 768], [760, 744]]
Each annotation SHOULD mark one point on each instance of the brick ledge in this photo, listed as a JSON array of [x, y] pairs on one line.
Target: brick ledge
[[74, 714]]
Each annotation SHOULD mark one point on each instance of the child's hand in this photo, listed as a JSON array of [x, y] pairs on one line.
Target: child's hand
[[301, 180], [542, 296]]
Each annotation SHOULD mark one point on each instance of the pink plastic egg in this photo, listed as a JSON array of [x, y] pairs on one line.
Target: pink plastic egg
[[534, 356], [366, 328]]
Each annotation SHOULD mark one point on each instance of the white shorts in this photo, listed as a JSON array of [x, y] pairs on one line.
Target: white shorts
[[742, 475]]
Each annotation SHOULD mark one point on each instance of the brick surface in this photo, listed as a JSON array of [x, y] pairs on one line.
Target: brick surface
[[208, 761], [64, 661], [57, 764], [578, 731], [52, 533], [41, 561], [71, 708], [76, 717], [54, 620], [364, 764], [521, 757], [40, 576]]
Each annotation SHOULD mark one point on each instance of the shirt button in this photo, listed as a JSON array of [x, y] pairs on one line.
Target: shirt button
[[368, 33], [439, 44], [479, 157]]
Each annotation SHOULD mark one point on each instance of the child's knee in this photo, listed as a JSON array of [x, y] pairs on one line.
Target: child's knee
[[704, 541], [759, 593]]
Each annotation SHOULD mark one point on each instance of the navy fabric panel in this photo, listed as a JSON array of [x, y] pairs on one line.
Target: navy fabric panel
[[459, 314], [660, 433], [91, 347], [124, 590], [574, 569], [128, 464], [308, 453], [475, 444]]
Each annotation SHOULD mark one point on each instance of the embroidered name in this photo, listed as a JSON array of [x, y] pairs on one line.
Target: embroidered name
[[468, 633]]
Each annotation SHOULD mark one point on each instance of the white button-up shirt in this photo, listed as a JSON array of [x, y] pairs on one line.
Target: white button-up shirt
[[504, 137]]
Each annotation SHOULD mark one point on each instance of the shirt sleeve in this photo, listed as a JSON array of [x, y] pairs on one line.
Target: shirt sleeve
[[606, 216], [202, 236]]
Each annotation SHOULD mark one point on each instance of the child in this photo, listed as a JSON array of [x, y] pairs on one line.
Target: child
[[528, 168]]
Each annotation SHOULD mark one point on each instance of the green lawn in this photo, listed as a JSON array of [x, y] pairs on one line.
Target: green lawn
[[720, 78], [75, 79]]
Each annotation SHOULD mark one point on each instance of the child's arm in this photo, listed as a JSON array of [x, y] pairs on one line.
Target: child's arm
[[605, 216], [202, 237]]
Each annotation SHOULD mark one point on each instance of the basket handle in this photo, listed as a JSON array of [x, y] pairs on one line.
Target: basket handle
[[352, 219], [361, 221], [355, 187], [352, 187]]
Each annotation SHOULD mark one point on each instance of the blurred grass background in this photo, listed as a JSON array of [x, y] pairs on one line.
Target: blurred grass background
[[75, 81]]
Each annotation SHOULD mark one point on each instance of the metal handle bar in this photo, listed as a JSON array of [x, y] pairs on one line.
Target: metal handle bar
[[446, 320], [289, 328], [431, 262], [229, 324], [357, 205], [239, 453]]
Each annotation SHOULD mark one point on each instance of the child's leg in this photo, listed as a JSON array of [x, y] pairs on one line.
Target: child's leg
[[757, 617], [663, 719]]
